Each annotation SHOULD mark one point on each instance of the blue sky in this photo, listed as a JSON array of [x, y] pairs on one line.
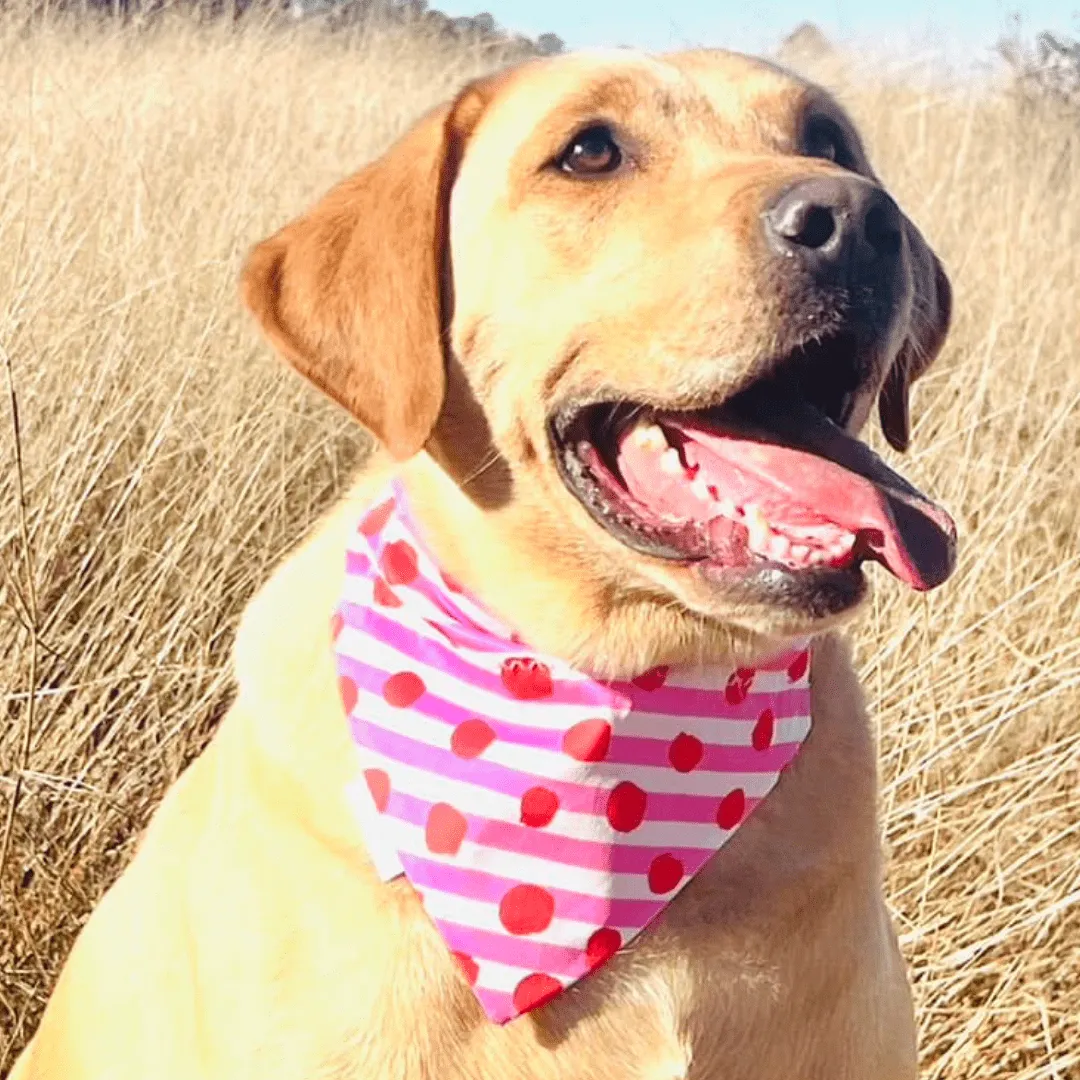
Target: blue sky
[[961, 27]]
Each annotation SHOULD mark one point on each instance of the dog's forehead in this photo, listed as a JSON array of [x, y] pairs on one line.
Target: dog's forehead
[[731, 97]]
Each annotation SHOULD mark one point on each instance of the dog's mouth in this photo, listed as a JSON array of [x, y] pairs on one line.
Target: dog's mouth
[[767, 484]]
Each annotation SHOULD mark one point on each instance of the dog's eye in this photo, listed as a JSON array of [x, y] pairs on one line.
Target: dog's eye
[[591, 153], [824, 138]]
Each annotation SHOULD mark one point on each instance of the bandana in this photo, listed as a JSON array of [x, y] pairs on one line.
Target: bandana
[[544, 817]]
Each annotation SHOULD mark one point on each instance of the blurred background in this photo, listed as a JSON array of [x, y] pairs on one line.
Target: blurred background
[[156, 461]]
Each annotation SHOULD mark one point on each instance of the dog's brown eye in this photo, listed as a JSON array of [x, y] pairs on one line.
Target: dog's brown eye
[[824, 138], [592, 152]]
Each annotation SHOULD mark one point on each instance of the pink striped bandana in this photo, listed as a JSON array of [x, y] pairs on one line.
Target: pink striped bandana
[[544, 817]]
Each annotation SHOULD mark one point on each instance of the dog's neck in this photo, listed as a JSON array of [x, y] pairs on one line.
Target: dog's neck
[[565, 603]]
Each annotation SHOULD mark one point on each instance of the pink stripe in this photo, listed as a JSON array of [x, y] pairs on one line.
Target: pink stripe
[[540, 844], [479, 885], [357, 564], [504, 948], [438, 708], [438, 656], [498, 1006]]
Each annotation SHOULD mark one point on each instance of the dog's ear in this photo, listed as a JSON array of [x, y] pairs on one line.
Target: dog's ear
[[931, 315], [355, 294]]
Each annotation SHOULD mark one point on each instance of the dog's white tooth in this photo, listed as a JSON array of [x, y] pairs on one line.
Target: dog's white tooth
[[727, 508], [779, 546], [799, 552], [842, 545], [818, 556], [701, 490], [649, 437], [757, 528], [669, 461]]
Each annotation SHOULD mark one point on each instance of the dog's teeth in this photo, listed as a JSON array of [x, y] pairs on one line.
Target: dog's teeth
[[669, 461], [757, 528], [649, 437], [842, 545], [701, 490], [726, 506], [818, 557], [799, 552], [779, 546]]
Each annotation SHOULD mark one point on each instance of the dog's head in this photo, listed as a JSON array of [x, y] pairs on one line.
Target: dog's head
[[637, 308]]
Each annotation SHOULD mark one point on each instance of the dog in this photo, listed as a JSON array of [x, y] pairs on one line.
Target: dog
[[615, 321]]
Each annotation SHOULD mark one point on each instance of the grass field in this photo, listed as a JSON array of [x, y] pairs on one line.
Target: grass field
[[167, 463]]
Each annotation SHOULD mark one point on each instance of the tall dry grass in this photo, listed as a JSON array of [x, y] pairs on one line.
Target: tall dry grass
[[167, 463]]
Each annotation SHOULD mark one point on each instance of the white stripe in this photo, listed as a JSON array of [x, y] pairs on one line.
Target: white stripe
[[716, 678], [472, 799], [554, 765], [380, 849], [381, 655], [479, 915], [503, 978], [711, 730], [599, 884]]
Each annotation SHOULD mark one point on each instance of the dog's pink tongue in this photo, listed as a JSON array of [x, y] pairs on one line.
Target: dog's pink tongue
[[832, 480]]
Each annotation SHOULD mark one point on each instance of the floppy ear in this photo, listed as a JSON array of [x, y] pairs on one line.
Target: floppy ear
[[931, 315], [355, 294]]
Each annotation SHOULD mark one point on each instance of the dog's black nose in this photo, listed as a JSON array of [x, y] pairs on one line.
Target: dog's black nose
[[836, 226]]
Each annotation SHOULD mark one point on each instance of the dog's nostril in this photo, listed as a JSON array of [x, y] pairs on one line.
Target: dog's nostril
[[882, 231], [818, 227], [805, 224]]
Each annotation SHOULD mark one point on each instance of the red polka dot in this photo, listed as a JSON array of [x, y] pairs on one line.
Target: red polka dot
[[451, 583], [377, 518], [337, 624], [588, 741], [731, 809], [535, 990], [348, 692], [626, 806], [399, 563], [471, 738], [602, 946], [382, 594], [378, 783], [797, 668], [469, 968], [665, 872], [685, 752], [652, 679], [527, 679], [527, 909], [403, 689], [538, 807], [762, 736], [738, 686], [445, 829]]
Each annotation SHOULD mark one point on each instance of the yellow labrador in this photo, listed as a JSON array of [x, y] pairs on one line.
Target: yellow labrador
[[579, 249]]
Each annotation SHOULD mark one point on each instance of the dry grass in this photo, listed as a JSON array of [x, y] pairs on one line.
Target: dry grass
[[168, 463]]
